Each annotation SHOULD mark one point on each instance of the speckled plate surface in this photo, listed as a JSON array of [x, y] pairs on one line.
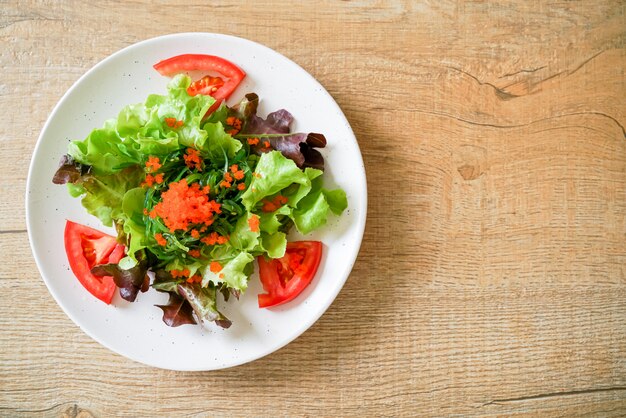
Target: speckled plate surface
[[135, 330]]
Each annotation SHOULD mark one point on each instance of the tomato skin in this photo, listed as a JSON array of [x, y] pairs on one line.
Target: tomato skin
[[201, 62], [285, 278], [86, 247]]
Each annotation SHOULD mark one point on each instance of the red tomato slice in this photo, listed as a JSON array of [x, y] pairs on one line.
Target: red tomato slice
[[87, 247], [199, 62], [285, 278]]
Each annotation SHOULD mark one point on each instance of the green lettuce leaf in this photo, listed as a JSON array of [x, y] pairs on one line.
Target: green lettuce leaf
[[104, 150], [312, 210], [274, 245], [134, 226], [275, 172], [104, 194], [271, 222], [218, 145], [242, 238], [235, 272], [140, 130]]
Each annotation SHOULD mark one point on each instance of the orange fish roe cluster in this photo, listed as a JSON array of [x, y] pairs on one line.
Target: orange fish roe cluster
[[173, 123], [277, 202], [253, 223], [215, 267], [160, 240], [253, 141], [153, 163], [235, 123], [179, 273], [227, 182], [214, 238], [241, 186], [237, 173], [149, 181], [196, 278], [192, 159], [194, 253], [183, 205]]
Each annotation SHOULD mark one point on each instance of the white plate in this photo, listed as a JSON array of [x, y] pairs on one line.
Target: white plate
[[136, 330]]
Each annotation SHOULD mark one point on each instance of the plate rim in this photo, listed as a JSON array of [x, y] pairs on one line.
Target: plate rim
[[317, 312]]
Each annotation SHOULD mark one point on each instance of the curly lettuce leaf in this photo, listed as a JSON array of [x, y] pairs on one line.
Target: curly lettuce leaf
[[104, 194], [274, 245], [275, 129], [274, 173], [311, 211], [271, 222], [139, 130], [129, 281], [104, 150], [218, 146], [134, 226], [177, 311], [235, 272], [202, 301]]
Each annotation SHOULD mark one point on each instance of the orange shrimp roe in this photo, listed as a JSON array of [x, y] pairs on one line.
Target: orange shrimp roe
[[192, 159], [149, 181], [235, 123], [179, 273], [173, 123], [253, 223], [277, 202], [214, 238], [182, 205], [196, 278], [253, 141], [241, 186], [160, 240], [153, 163], [194, 253], [215, 267]]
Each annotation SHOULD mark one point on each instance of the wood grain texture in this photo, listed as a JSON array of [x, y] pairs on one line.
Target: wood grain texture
[[492, 276]]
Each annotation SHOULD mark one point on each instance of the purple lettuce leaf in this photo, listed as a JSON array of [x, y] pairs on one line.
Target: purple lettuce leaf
[[129, 281], [202, 301], [177, 312], [275, 129], [69, 171]]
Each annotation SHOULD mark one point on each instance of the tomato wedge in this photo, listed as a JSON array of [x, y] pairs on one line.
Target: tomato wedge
[[213, 86], [285, 278], [87, 247]]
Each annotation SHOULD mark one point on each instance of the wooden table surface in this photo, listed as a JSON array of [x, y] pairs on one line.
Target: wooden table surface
[[492, 276]]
